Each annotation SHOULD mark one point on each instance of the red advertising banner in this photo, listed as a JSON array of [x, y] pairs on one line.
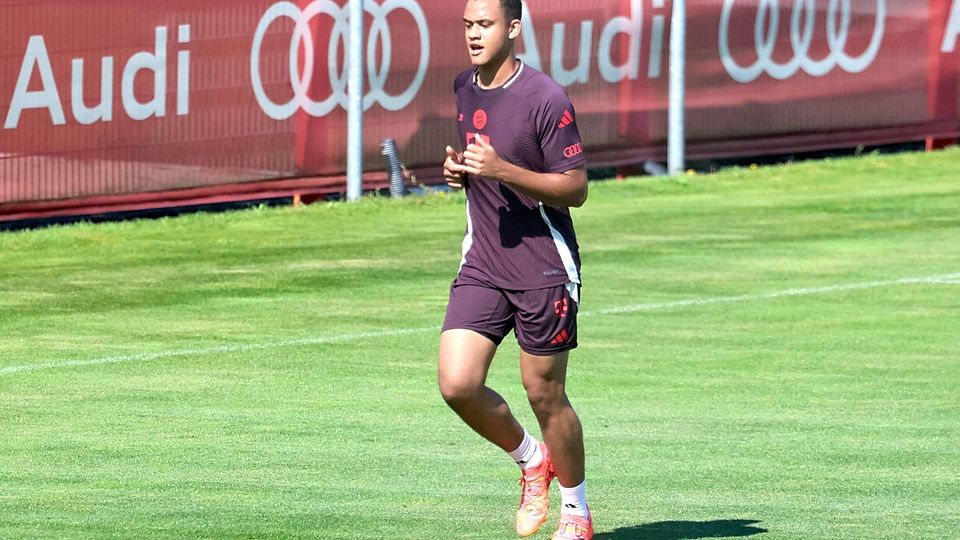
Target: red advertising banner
[[115, 104]]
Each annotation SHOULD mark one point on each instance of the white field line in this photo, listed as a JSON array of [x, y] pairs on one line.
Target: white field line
[[946, 279], [220, 349], [949, 281]]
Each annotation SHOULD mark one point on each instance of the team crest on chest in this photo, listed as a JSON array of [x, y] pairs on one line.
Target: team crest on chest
[[480, 119]]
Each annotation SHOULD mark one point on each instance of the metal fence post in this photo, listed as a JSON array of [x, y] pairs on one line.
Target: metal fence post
[[678, 53], [355, 100]]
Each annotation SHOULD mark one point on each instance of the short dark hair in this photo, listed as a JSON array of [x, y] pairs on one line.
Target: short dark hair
[[513, 9]]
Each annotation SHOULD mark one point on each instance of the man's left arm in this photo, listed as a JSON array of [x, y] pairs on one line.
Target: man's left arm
[[564, 189]]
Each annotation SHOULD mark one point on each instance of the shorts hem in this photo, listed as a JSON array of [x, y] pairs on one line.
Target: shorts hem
[[549, 352], [497, 340]]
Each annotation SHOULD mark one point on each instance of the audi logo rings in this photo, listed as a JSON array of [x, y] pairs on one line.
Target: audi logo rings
[[802, 22], [379, 34]]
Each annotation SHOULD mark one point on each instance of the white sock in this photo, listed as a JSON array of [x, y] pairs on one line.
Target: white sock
[[574, 500], [528, 454]]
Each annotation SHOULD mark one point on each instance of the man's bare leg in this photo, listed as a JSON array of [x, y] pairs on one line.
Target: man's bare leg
[[465, 358], [544, 378]]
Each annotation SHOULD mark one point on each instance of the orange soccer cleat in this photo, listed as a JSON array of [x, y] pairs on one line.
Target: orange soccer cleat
[[535, 499], [574, 528]]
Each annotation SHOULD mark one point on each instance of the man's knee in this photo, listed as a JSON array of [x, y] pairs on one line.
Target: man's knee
[[459, 391], [464, 359], [545, 397]]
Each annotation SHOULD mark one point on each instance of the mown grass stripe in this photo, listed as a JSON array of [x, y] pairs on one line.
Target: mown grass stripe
[[226, 349]]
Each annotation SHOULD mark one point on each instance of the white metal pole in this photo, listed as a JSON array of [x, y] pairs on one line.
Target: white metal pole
[[355, 103], [678, 53]]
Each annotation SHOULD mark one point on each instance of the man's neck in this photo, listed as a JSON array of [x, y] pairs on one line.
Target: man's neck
[[496, 74]]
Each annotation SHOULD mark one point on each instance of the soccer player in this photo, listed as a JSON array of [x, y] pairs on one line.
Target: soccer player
[[522, 168]]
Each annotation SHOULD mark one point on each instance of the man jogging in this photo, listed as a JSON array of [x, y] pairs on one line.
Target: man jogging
[[522, 168]]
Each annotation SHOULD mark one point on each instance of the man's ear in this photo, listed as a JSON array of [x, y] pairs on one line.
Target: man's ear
[[514, 31]]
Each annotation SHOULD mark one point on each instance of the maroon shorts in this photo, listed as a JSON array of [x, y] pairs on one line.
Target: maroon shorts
[[545, 320]]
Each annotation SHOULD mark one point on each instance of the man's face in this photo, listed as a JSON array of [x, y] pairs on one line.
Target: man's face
[[487, 30]]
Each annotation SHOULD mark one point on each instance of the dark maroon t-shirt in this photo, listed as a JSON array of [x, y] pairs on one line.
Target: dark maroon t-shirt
[[513, 241]]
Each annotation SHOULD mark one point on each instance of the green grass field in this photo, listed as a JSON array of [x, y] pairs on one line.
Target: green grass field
[[770, 352]]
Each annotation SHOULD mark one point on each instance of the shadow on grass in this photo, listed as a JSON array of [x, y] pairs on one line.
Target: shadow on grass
[[683, 530]]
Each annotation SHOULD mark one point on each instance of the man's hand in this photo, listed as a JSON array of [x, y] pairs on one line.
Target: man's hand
[[481, 159], [453, 169]]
